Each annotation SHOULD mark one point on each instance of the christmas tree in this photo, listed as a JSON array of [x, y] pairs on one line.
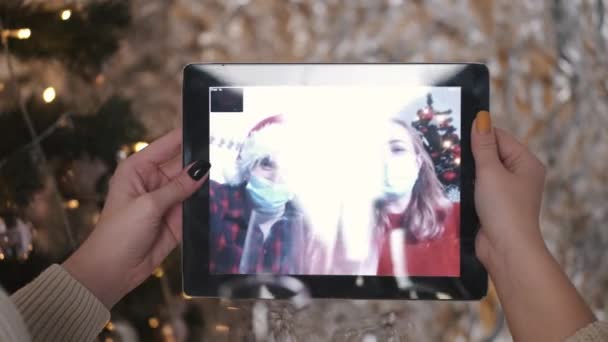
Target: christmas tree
[[441, 141], [58, 151]]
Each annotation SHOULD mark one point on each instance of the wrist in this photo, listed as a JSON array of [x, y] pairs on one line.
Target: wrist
[[513, 253], [93, 274]]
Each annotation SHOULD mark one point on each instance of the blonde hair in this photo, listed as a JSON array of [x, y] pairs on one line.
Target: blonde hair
[[427, 211]]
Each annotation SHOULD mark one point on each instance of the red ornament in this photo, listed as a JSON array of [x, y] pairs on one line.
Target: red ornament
[[426, 113], [449, 176], [456, 150]]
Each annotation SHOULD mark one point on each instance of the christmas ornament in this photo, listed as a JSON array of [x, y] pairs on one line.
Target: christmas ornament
[[440, 139], [15, 239], [449, 176]]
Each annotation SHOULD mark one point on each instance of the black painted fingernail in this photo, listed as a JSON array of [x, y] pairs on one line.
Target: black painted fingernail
[[199, 169]]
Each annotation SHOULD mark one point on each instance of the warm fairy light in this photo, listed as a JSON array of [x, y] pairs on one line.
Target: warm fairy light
[[100, 79], [447, 144], [72, 204], [24, 33], [153, 322], [66, 14], [167, 330], [1, 256], [158, 272], [140, 145], [222, 328], [457, 161], [185, 296], [110, 326], [123, 153], [30, 247], [95, 218], [48, 95]]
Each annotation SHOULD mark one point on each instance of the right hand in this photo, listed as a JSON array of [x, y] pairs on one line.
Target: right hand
[[508, 193]]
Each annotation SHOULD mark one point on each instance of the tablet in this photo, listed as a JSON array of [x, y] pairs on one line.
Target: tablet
[[354, 179]]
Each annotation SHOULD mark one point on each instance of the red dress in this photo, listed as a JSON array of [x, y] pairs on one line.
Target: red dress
[[439, 257]]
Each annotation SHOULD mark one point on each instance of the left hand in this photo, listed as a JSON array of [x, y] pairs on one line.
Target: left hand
[[141, 221]]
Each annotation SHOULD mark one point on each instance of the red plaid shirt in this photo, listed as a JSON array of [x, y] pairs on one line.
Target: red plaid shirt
[[229, 211]]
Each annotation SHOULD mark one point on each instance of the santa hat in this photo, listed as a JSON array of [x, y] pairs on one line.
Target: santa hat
[[263, 140]]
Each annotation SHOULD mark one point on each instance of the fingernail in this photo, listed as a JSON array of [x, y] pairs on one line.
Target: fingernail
[[199, 169], [483, 122]]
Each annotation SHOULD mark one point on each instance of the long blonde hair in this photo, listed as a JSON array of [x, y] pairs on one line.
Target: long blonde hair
[[426, 213]]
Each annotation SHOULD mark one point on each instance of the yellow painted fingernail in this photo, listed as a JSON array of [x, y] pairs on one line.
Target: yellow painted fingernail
[[483, 122]]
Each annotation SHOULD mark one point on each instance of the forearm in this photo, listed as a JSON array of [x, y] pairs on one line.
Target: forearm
[[56, 307], [536, 294]]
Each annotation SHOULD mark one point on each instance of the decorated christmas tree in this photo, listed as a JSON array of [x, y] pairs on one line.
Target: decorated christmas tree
[[441, 141], [58, 151]]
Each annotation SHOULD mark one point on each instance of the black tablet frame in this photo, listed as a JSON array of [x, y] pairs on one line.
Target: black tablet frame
[[473, 79]]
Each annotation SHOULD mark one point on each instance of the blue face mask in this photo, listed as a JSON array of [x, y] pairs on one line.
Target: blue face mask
[[399, 178], [267, 197]]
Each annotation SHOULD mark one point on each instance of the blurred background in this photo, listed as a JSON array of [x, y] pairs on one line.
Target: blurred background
[[83, 84]]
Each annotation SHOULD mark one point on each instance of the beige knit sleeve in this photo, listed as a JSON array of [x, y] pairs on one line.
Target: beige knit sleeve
[[594, 332], [56, 307], [12, 327]]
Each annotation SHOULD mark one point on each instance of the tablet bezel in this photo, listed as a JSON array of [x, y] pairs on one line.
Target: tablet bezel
[[473, 79]]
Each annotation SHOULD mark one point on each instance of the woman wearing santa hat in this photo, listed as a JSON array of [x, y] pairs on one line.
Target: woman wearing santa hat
[[255, 224]]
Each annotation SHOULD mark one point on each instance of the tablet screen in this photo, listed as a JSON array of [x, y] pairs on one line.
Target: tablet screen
[[335, 180]]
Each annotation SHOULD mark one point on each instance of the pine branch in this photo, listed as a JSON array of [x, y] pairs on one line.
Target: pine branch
[[42, 136], [83, 42], [35, 139]]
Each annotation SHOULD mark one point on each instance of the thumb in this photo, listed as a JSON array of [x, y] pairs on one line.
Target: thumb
[[181, 186], [483, 142]]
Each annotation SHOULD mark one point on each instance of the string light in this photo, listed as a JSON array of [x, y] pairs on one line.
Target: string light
[[1, 256], [100, 79], [123, 153], [140, 145], [167, 330], [158, 272], [72, 204], [447, 144], [457, 161], [24, 33], [110, 326], [222, 328], [66, 14], [95, 218], [48, 95], [153, 322]]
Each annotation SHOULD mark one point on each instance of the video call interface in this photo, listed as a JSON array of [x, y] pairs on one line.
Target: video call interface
[[335, 180]]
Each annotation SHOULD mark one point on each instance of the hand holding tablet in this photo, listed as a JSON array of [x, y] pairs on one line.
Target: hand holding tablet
[[333, 173], [508, 196]]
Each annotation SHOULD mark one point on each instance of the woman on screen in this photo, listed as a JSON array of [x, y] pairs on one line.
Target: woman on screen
[[255, 224], [416, 226]]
